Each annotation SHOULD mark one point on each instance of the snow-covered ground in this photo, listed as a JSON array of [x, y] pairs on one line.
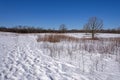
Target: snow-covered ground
[[100, 35], [23, 58]]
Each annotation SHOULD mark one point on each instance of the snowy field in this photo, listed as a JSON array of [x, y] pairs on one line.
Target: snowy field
[[22, 57]]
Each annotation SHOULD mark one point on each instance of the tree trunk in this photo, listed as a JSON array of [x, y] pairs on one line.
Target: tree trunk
[[92, 34]]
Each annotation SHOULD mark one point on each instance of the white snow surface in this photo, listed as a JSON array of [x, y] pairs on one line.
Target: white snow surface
[[23, 58], [100, 35]]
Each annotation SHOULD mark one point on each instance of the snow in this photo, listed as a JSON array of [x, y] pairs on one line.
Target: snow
[[23, 58], [100, 35]]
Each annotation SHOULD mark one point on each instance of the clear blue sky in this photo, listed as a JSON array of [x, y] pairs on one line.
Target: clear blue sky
[[52, 13]]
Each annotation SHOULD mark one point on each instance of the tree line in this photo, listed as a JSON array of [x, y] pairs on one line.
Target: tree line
[[29, 29], [94, 25]]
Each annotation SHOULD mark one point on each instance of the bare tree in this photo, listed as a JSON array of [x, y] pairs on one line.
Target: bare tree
[[62, 27], [95, 24]]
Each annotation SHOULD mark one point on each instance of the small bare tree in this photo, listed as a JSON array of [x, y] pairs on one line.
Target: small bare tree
[[95, 24], [62, 28]]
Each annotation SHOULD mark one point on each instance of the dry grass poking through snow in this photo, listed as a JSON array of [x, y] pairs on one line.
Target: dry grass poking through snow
[[53, 38], [98, 45], [56, 38], [81, 50]]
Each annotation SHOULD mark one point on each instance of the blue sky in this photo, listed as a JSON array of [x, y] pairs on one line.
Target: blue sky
[[52, 13]]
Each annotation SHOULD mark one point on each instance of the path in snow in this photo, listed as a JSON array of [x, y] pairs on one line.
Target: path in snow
[[23, 61]]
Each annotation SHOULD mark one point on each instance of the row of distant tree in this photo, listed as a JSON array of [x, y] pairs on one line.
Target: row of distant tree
[[29, 29], [93, 26]]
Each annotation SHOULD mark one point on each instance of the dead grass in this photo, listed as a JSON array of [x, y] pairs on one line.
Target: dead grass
[[56, 38], [110, 39], [53, 38], [89, 38]]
